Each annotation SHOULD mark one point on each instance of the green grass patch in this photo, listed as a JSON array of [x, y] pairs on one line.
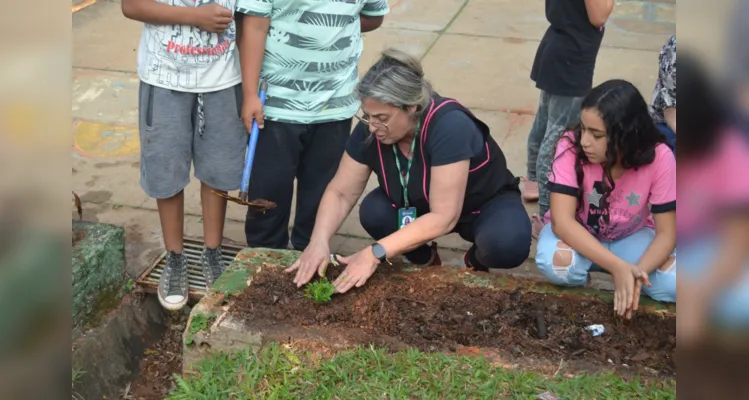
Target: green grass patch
[[199, 323], [368, 373]]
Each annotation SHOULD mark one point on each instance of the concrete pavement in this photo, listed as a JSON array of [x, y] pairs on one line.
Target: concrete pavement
[[478, 51]]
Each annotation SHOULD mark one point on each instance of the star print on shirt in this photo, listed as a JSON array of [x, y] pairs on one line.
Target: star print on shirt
[[633, 199], [594, 198]]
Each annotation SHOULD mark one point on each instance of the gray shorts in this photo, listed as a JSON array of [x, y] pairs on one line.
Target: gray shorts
[[175, 133]]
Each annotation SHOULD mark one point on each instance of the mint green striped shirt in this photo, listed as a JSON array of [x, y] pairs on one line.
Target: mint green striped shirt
[[311, 56]]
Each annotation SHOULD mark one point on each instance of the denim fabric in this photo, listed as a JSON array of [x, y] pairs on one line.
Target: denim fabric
[[629, 249], [554, 115]]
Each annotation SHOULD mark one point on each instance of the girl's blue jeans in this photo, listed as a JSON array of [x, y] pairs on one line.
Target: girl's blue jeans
[[629, 249]]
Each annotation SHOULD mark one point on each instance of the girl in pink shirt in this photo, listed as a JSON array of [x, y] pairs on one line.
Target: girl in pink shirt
[[613, 201]]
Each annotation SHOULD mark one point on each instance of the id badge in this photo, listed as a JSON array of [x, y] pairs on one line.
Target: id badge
[[406, 216]]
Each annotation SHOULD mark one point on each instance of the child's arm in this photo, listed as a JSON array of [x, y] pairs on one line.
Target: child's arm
[[662, 199], [372, 14], [669, 114], [368, 24], [663, 244], [599, 11], [211, 17], [255, 26]]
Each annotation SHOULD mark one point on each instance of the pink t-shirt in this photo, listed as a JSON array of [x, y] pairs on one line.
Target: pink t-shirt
[[636, 193], [713, 184]]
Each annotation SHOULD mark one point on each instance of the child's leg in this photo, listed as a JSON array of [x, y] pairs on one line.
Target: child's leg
[[563, 111], [663, 279], [214, 214], [166, 154], [172, 218], [219, 156], [219, 150], [535, 137], [165, 130], [558, 262]]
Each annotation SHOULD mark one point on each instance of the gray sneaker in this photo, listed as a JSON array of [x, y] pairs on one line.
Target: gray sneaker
[[213, 265], [173, 286]]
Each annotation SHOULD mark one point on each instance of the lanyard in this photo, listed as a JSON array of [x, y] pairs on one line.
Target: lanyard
[[404, 182]]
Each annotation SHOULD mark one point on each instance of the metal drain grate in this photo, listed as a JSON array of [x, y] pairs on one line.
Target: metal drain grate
[[193, 248]]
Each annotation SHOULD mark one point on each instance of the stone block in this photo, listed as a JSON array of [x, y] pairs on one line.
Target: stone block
[[502, 18], [98, 257], [422, 15]]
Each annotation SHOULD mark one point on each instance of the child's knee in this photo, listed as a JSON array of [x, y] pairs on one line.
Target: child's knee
[[559, 267]]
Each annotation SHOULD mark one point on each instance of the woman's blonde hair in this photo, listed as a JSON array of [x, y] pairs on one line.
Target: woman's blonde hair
[[397, 79]]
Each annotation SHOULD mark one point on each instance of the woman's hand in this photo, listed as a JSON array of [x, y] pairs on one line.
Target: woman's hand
[[314, 258], [359, 267], [628, 283]]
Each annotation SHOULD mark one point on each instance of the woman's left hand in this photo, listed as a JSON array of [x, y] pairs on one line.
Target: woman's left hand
[[359, 267]]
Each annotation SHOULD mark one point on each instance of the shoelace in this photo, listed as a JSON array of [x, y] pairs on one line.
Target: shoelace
[[175, 277], [201, 115], [215, 262]]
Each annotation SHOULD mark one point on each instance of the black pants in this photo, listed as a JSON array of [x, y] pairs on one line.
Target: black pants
[[500, 233], [308, 152]]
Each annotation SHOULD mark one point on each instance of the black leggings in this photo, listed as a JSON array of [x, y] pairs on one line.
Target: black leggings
[[500, 233]]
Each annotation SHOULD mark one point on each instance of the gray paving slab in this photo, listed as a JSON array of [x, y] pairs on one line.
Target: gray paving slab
[[104, 39], [422, 15]]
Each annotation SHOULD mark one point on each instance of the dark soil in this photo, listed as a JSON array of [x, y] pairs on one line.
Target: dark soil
[[155, 377], [423, 311]]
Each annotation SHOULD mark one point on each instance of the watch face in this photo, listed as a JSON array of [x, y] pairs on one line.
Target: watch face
[[379, 251]]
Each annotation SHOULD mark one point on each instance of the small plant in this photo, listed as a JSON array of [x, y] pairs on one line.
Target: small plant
[[320, 291], [77, 373], [199, 323]]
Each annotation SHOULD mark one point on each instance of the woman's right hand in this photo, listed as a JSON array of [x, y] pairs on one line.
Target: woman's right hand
[[628, 282], [252, 110], [315, 258]]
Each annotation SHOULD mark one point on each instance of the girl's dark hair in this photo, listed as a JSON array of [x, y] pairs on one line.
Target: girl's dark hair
[[631, 133], [703, 115]]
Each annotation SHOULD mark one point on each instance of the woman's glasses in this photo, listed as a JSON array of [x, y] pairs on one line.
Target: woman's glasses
[[374, 122]]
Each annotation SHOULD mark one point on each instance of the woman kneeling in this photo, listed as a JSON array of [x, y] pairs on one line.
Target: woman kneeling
[[613, 201], [439, 171]]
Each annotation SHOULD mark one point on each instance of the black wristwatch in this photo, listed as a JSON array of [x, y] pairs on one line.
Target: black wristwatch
[[379, 252]]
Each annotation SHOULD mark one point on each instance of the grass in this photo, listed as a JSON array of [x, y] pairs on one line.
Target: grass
[[199, 323], [277, 372], [76, 376]]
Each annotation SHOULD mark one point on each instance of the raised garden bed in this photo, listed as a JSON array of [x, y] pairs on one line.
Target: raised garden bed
[[514, 323]]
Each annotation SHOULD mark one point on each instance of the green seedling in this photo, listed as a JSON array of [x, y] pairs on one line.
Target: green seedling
[[320, 291]]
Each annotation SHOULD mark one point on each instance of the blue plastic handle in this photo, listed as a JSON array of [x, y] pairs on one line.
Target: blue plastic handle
[[252, 145]]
